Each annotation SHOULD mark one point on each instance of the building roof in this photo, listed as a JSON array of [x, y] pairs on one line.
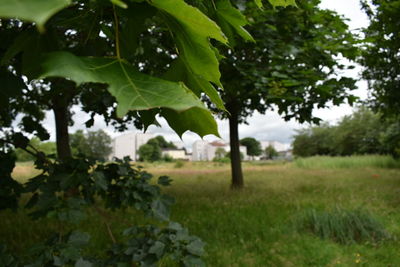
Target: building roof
[[217, 143]]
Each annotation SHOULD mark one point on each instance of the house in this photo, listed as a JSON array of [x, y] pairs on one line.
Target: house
[[206, 151], [279, 147], [128, 144], [175, 153]]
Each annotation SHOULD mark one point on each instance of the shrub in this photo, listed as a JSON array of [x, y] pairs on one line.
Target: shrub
[[179, 164], [343, 226]]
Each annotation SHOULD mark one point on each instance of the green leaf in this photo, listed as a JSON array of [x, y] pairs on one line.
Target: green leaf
[[192, 30], [132, 89], [283, 3], [164, 180], [11, 87], [119, 3], [37, 11], [196, 120], [157, 249], [234, 18], [179, 72], [100, 180], [190, 261], [78, 239], [83, 263], [196, 247], [160, 208], [148, 117], [259, 3]]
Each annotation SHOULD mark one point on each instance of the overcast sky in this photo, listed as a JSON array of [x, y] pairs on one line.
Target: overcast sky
[[268, 127]]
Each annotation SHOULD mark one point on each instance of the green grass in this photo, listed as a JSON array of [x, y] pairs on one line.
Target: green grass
[[258, 226], [327, 162]]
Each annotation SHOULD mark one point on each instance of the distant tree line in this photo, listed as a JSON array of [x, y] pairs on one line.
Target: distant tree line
[[93, 144], [363, 132]]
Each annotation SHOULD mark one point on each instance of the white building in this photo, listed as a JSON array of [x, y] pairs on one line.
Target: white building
[[205, 151], [279, 147], [128, 144], [175, 153]]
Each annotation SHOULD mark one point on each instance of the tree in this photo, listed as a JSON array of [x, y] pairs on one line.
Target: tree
[[99, 143], [292, 67], [363, 132], [379, 55], [49, 148], [146, 152], [94, 144], [112, 57], [252, 145], [219, 153], [151, 151], [79, 143], [270, 152], [358, 133], [162, 143]]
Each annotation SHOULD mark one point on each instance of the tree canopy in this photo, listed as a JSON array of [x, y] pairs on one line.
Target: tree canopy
[[380, 55], [94, 144], [291, 67], [252, 145], [363, 132]]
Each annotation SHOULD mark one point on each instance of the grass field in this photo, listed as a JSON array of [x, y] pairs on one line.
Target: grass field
[[259, 226]]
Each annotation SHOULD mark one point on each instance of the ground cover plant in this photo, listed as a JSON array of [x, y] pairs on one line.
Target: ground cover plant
[[257, 227]]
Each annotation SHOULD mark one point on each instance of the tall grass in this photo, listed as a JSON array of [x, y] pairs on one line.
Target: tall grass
[[343, 226], [252, 227], [328, 162]]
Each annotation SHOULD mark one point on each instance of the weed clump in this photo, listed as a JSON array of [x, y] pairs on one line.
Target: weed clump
[[343, 226]]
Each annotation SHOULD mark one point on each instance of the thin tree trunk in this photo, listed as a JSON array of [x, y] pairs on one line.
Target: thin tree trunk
[[60, 109], [236, 165], [63, 92]]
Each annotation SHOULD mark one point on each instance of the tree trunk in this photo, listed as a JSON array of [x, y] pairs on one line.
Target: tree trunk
[[60, 109], [63, 92], [236, 165]]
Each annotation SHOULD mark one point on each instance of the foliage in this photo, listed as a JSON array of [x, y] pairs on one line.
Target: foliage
[[146, 153], [252, 145], [49, 148], [343, 226], [270, 152], [93, 144], [163, 143], [219, 153], [390, 138], [363, 132], [152, 150], [54, 194], [380, 55]]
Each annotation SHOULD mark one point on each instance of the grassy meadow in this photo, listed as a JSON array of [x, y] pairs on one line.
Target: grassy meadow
[[260, 226]]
